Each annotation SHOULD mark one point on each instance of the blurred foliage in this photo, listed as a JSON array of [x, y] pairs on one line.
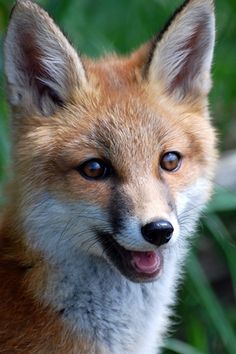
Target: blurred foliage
[[207, 312]]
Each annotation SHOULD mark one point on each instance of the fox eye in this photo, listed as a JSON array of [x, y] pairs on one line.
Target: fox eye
[[171, 161], [94, 169]]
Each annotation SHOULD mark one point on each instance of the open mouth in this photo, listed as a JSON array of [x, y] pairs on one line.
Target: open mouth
[[148, 263], [138, 266]]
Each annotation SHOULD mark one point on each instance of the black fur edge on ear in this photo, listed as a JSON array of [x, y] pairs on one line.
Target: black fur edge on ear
[[157, 38], [198, 41]]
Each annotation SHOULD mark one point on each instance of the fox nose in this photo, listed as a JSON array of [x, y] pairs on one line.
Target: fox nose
[[157, 232]]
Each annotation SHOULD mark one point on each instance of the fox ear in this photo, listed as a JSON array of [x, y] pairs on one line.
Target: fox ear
[[181, 55], [41, 66]]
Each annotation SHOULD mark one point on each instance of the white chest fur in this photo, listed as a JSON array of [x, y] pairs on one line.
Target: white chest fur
[[122, 316]]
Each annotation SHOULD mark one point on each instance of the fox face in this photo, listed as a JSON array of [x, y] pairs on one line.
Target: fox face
[[114, 158]]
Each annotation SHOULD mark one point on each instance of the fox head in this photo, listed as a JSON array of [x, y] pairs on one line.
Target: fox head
[[112, 158]]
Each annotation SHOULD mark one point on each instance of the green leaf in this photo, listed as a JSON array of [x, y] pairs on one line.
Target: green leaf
[[222, 201]]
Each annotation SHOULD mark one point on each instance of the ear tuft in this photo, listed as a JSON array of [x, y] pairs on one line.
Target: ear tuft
[[40, 64], [181, 55]]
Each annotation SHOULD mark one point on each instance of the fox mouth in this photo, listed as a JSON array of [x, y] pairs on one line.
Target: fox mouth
[[137, 266]]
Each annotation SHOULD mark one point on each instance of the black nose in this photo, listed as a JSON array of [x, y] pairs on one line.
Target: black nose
[[158, 232]]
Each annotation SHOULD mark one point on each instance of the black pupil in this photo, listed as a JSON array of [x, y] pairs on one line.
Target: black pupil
[[93, 169], [170, 161]]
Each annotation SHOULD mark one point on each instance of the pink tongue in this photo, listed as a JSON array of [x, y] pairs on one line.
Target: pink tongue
[[147, 262]]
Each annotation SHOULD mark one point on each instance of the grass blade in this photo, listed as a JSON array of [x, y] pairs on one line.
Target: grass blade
[[224, 239], [180, 347], [209, 301]]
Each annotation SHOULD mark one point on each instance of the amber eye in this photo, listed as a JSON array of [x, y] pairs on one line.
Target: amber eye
[[94, 169], [171, 161]]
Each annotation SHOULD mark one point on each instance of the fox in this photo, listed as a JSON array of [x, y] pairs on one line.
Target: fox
[[113, 161]]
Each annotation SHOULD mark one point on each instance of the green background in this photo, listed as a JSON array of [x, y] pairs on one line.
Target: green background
[[205, 320]]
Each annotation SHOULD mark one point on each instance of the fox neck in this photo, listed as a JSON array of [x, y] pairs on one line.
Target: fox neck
[[93, 298]]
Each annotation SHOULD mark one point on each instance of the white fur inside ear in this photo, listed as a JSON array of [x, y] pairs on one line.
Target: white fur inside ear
[[182, 58], [40, 63]]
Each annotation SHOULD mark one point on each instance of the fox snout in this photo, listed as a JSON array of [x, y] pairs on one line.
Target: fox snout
[[131, 233], [134, 247]]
